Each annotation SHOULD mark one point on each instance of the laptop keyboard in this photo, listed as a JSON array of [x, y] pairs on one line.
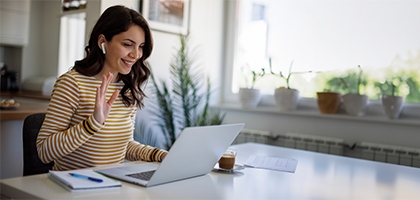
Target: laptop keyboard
[[142, 175]]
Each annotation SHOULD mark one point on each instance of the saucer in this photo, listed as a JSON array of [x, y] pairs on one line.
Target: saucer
[[228, 171]]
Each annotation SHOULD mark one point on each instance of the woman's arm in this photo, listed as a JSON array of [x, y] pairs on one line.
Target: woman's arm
[[138, 151], [58, 137]]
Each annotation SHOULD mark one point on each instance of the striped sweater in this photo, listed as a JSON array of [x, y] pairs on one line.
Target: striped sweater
[[72, 138]]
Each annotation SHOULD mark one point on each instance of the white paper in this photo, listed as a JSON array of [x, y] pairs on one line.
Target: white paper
[[272, 163]]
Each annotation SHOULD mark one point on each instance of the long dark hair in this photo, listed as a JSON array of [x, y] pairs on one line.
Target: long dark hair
[[115, 20]]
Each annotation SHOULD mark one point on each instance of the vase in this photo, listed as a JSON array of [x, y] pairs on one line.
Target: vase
[[249, 98], [286, 99], [355, 104], [392, 105], [328, 102]]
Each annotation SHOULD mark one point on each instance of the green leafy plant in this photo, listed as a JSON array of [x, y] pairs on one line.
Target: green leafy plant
[[392, 89], [406, 83], [351, 83], [186, 104], [389, 87], [255, 76], [359, 81], [143, 134], [286, 78]]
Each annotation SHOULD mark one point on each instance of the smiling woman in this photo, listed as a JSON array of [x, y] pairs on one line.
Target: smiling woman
[[327, 37], [91, 114]]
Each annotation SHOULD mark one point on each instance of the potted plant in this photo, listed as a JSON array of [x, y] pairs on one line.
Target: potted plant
[[355, 103], [287, 98], [328, 101], [185, 103], [249, 97], [392, 104]]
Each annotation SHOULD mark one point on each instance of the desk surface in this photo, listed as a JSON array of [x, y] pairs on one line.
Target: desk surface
[[317, 176], [27, 107]]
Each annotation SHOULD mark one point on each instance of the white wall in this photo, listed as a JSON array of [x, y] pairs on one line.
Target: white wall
[[40, 56], [206, 30]]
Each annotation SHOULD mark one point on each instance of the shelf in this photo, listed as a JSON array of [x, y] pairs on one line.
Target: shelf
[[378, 118], [71, 12]]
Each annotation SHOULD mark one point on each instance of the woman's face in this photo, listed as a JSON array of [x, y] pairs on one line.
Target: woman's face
[[123, 50]]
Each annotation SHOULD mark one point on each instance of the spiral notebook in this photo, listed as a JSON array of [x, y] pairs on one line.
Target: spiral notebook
[[74, 183]]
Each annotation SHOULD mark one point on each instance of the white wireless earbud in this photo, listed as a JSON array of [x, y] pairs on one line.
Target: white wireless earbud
[[103, 47]]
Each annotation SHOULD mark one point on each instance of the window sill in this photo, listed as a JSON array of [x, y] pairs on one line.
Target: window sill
[[372, 115]]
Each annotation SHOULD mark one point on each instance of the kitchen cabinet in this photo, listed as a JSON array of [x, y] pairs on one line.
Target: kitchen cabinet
[[14, 22]]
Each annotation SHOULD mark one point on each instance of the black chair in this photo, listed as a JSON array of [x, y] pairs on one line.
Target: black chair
[[31, 162]]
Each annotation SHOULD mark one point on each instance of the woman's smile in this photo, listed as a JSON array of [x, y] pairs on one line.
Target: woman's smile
[[128, 63]]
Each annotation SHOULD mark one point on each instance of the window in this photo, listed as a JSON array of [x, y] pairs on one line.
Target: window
[[328, 38], [72, 40]]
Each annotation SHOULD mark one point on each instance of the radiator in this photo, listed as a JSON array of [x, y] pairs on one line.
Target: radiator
[[364, 150], [314, 143], [293, 140], [390, 154], [250, 135]]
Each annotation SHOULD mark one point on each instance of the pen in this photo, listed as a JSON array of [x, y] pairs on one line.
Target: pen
[[86, 177]]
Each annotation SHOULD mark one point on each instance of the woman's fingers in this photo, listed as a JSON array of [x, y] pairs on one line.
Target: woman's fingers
[[104, 87], [106, 80], [113, 97], [103, 107]]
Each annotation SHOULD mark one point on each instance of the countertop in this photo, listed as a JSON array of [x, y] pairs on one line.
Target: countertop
[[30, 103]]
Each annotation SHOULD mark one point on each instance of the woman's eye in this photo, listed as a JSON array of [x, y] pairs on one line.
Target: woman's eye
[[127, 45]]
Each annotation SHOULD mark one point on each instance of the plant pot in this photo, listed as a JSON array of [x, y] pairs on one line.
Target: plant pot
[[328, 102], [355, 104], [249, 98], [286, 99], [392, 105]]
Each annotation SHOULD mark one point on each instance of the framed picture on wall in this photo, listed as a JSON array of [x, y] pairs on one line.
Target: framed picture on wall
[[170, 16]]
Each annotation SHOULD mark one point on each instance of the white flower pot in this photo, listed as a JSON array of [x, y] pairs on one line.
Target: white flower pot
[[286, 99], [249, 98], [355, 104], [393, 105]]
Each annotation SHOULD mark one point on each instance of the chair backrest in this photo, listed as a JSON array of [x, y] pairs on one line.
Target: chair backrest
[[31, 162]]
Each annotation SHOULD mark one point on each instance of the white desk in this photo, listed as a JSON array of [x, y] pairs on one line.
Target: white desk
[[317, 176]]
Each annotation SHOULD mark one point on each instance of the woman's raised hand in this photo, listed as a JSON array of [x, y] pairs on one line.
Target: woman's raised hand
[[102, 106]]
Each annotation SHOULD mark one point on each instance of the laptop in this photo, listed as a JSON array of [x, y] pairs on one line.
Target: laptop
[[194, 153]]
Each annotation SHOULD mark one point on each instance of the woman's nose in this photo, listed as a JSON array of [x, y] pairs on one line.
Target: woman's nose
[[136, 53]]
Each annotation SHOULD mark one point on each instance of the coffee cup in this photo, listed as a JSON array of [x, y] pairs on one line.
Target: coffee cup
[[227, 161]]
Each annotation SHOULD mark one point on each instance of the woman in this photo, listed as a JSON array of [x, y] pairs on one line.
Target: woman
[[90, 118]]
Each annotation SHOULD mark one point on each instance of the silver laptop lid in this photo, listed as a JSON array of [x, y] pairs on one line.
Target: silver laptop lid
[[195, 152]]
